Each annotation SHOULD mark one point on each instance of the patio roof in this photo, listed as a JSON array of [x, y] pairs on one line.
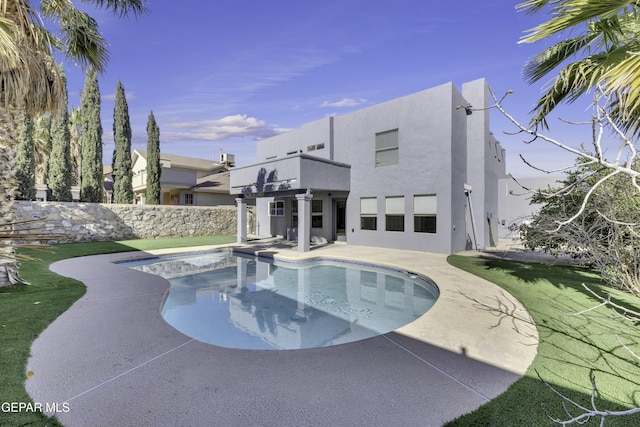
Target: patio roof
[[290, 174]]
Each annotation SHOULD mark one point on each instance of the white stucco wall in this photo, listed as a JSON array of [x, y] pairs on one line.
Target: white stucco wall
[[440, 149], [431, 145], [486, 163], [514, 200]]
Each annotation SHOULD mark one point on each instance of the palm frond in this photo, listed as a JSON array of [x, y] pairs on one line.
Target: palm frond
[[80, 38], [121, 7], [569, 14], [572, 81], [549, 59], [533, 6]]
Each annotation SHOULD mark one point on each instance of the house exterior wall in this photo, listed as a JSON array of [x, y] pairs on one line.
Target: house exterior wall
[[440, 149], [312, 134], [459, 177], [514, 201], [431, 143], [138, 165], [178, 178], [213, 199], [486, 163], [177, 183], [292, 172]]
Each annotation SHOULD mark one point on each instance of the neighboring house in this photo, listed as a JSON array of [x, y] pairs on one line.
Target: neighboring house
[[514, 201], [419, 172], [43, 194], [107, 173], [184, 180]]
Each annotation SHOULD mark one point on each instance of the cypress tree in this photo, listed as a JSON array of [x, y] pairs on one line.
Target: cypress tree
[[91, 171], [75, 129], [153, 162], [43, 144], [26, 164], [122, 186], [59, 173]]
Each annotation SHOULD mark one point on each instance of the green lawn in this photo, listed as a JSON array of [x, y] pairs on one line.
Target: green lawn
[[25, 311], [571, 348]]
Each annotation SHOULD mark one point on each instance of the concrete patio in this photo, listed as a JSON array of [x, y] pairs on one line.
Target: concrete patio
[[114, 361]]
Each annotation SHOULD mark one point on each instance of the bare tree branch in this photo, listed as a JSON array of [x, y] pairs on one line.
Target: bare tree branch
[[579, 153], [585, 413]]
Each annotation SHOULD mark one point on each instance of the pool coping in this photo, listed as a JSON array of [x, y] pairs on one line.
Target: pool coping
[[108, 364]]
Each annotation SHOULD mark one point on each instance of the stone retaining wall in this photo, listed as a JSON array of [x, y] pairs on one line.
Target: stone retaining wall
[[84, 222]]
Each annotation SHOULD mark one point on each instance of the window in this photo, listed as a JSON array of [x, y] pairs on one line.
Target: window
[[188, 198], [394, 213], [425, 209], [387, 148], [294, 213], [316, 213], [276, 208], [368, 213], [315, 147]]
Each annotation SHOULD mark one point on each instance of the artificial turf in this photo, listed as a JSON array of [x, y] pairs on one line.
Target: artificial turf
[[572, 346], [25, 311]]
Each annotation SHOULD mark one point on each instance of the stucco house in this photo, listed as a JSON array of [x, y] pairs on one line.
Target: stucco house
[[514, 201], [184, 180], [107, 189], [419, 172]]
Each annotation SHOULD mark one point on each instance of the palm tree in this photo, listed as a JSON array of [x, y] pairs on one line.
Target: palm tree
[[30, 80], [603, 53]]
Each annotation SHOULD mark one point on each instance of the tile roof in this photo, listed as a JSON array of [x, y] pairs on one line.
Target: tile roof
[[217, 182]]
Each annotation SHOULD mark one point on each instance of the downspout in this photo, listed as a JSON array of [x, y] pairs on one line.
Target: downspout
[[467, 192]]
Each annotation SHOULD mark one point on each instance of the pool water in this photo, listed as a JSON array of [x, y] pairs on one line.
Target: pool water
[[241, 301]]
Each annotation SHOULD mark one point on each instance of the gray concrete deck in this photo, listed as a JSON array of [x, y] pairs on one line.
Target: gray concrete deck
[[114, 361]]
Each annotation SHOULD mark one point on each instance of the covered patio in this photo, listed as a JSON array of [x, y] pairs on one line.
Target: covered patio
[[296, 177]]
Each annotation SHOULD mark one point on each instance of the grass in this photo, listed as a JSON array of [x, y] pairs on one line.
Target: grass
[[25, 311], [571, 348]]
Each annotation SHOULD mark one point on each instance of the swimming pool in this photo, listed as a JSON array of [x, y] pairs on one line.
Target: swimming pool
[[242, 301]]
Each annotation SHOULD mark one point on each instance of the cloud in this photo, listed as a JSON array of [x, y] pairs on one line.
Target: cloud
[[344, 102], [112, 96], [239, 125]]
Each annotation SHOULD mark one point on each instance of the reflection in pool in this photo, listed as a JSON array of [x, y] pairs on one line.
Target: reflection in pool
[[240, 301]]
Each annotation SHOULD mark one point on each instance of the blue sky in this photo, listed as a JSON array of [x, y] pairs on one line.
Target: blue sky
[[221, 74]]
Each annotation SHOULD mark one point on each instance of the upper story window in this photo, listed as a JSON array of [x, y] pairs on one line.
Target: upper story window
[[315, 147], [188, 198], [387, 148]]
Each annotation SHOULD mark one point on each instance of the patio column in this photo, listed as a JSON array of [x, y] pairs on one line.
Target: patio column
[[304, 222], [242, 220]]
